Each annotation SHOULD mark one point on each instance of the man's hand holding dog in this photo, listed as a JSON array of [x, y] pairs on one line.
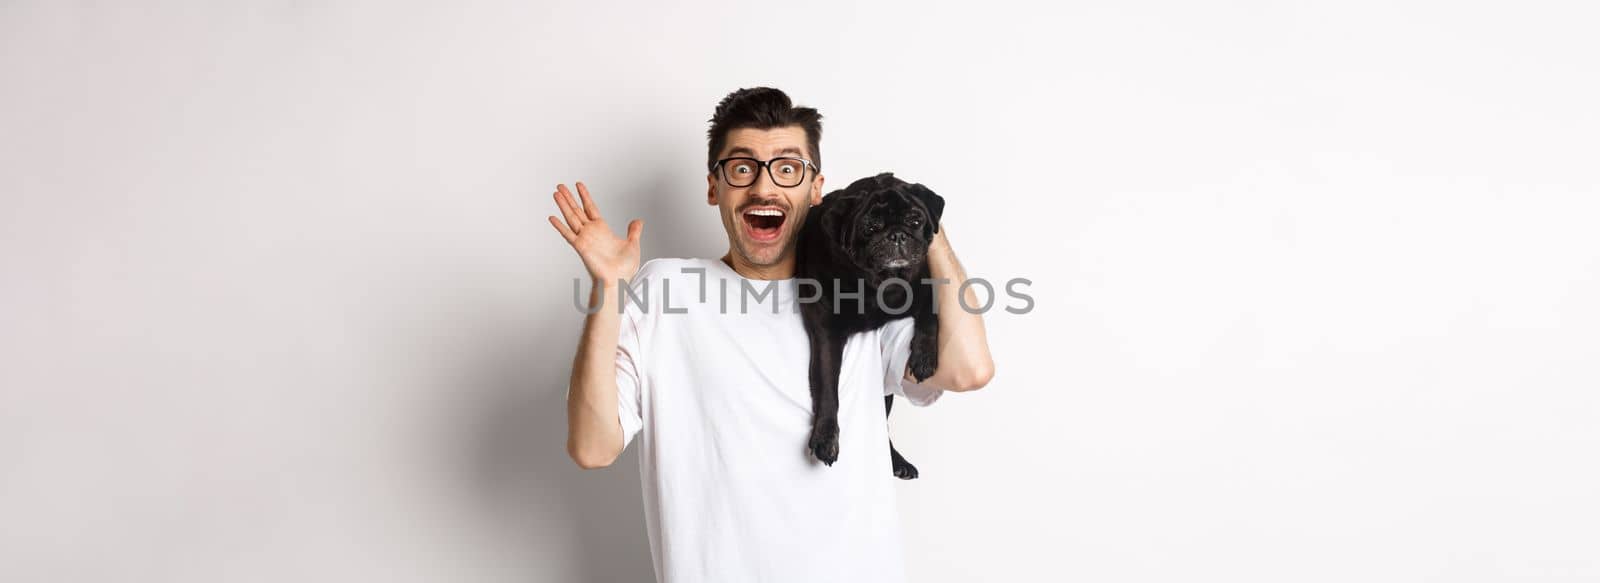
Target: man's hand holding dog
[[964, 360]]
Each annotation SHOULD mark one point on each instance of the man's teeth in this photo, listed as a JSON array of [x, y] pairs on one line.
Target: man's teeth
[[766, 212]]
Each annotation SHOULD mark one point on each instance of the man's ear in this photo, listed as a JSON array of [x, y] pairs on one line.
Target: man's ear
[[816, 191], [933, 202], [711, 189]]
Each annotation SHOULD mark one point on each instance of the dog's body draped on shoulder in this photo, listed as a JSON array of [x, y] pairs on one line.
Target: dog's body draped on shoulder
[[867, 247]]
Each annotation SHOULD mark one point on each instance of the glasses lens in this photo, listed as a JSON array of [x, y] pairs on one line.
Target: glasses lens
[[739, 172], [788, 172]]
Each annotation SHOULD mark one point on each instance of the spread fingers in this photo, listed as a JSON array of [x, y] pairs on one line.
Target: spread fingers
[[569, 208], [561, 228], [591, 210]]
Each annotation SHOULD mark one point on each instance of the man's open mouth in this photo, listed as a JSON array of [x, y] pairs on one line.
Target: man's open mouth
[[764, 224]]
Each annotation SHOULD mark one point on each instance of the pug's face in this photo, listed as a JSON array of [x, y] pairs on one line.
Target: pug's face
[[887, 231]]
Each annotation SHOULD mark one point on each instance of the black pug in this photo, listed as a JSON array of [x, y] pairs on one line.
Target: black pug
[[875, 230]]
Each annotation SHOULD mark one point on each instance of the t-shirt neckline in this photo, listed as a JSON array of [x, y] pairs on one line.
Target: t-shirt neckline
[[735, 273]]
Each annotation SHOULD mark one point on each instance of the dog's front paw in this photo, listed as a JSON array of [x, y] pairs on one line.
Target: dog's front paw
[[904, 470], [923, 363], [825, 441]]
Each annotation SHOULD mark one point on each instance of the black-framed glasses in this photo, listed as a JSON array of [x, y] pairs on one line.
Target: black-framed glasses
[[786, 172]]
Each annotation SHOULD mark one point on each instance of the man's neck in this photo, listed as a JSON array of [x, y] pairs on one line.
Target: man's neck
[[782, 270]]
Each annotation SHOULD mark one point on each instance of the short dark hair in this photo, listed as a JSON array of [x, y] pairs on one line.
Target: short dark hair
[[763, 108]]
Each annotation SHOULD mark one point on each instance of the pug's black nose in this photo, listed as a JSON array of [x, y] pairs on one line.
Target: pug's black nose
[[897, 238]]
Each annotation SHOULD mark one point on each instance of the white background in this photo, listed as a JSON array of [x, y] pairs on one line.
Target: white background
[[1316, 285]]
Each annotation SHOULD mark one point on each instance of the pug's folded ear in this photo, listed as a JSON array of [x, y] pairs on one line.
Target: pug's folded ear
[[829, 218], [934, 202]]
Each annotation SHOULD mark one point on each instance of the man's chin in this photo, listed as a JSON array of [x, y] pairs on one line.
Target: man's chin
[[763, 254]]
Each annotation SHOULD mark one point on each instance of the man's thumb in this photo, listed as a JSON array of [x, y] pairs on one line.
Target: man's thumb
[[635, 228]]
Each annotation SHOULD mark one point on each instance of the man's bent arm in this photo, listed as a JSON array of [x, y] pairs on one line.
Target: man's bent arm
[[964, 361], [594, 433]]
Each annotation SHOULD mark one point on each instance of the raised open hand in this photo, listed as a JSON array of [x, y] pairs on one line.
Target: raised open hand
[[606, 256]]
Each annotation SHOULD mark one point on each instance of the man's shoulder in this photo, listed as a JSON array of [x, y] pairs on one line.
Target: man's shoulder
[[669, 283], [672, 267]]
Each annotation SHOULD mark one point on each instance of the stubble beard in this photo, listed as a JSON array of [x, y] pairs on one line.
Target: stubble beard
[[742, 247]]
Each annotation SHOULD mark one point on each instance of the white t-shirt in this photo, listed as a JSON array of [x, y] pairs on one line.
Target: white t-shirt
[[720, 395]]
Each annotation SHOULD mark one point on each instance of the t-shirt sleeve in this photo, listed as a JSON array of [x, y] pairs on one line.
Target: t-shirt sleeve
[[629, 380], [896, 344]]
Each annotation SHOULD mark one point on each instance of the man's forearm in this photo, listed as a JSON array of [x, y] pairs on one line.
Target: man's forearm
[[964, 361], [594, 434]]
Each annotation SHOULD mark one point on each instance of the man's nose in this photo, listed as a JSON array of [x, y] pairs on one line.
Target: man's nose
[[764, 186]]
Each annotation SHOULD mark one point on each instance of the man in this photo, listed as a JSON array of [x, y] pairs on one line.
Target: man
[[718, 385]]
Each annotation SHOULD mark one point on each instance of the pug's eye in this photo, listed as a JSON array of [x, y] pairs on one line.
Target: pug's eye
[[914, 221], [874, 226]]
